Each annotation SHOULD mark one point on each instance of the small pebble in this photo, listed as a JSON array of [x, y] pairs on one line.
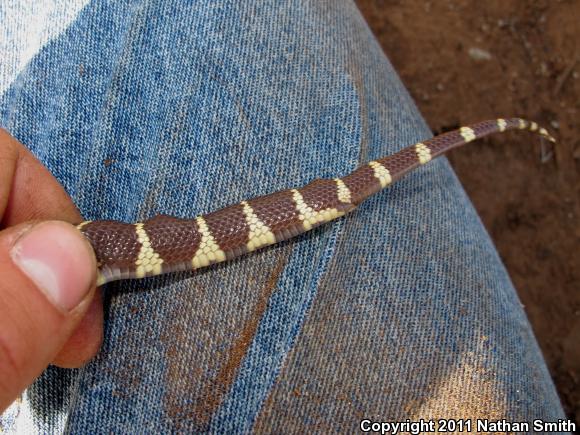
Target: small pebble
[[479, 54]]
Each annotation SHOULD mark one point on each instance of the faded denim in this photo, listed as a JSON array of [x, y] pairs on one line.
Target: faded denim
[[400, 310]]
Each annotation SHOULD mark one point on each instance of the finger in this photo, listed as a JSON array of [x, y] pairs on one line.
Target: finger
[[28, 191], [86, 340], [8, 160], [48, 282]]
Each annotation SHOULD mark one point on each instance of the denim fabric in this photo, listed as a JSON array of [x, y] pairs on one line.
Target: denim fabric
[[400, 310]]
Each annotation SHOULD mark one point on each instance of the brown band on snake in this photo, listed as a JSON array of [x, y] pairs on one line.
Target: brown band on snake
[[116, 246], [229, 229], [362, 183], [319, 194], [276, 210], [402, 162], [164, 244], [179, 251]]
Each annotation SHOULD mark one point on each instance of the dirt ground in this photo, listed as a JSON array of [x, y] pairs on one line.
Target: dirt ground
[[465, 61]]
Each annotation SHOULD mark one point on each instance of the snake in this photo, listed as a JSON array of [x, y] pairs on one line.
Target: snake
[[164, 244]]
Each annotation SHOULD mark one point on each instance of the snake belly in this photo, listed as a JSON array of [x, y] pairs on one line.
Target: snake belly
[[166, 244]]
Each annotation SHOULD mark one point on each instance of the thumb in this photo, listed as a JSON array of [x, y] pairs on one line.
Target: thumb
[[47, 272]]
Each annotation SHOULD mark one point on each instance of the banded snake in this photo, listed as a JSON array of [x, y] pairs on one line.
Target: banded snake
[[166, 244]]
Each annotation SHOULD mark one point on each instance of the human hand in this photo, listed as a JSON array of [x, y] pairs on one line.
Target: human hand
[[50, 311]]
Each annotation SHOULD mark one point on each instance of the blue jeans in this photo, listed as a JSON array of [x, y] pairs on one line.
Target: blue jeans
[[400, 310]]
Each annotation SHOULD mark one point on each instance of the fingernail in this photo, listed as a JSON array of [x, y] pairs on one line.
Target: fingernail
[[56, 258]]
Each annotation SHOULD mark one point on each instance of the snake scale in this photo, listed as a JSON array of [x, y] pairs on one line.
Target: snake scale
[[166, 244]]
